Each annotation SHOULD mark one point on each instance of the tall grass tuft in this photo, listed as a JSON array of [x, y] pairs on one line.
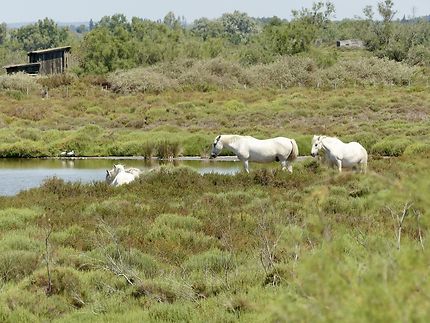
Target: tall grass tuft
[[167, 149]]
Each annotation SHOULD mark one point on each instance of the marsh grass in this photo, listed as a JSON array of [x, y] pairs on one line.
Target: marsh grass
[[185, 123], [233, 246], [167, 149], [175, 245]]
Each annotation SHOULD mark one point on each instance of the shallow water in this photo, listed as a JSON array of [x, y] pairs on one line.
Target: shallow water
[[20, 174]]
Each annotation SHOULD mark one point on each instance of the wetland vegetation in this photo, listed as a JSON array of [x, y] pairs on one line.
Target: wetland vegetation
[[179, 246]]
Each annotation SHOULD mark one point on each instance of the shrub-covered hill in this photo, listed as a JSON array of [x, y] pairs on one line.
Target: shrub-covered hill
[[178, 246]]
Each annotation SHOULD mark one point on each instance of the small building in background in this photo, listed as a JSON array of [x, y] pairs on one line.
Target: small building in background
[[350, 43], [44, 62]]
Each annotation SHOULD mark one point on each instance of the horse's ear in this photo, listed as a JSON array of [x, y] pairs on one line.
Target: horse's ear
[[107, 172]]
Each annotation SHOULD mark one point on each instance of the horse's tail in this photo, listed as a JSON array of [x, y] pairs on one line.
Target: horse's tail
[[294, 151]]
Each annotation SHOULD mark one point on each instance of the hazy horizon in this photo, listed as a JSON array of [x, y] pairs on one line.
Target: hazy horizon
[[83, 11]]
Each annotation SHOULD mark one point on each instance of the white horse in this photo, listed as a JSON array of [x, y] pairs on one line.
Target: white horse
[[340, 154], [119, 175], [248, 148]]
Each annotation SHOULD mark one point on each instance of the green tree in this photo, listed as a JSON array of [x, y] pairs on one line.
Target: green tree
[[155, 41], [171, 21], [109, 46], [3, 33], [238, 27], [91, 25], [43, 34], [316, 19], [386, 11], [368, 12], [81, 29], [205, 28]]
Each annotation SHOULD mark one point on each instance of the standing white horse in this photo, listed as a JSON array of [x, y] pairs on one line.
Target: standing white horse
[[118, 175], [340, 154], [248, 148]]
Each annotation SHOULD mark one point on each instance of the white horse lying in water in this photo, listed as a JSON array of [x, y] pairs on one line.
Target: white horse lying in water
[[248, 148], [340, 154], [118, 175]]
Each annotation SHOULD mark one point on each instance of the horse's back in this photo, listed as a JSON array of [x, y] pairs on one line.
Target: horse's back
[[267, 150], [355, 152], [123, 178]]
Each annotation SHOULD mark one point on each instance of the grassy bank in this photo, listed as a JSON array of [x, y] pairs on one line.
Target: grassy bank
[[93, 122], [178, 246]]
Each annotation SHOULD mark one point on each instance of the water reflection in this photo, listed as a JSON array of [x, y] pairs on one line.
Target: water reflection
[[21, 174]]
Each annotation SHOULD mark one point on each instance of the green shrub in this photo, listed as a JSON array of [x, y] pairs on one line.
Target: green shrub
[[304, 144], [419, 55], [131, 261], [20, 255], [21, 305], [213, 261], [82, 142], [366, 139], [19, 82], [213, 74], [75, 237], [15, 94], [65, 282], [17, 264], [163, 290], [134, 148], [390, 146], [417, 148], [23, 149], [17, 240], [29, 133], [174, 221], [288, 71], [140, 80], [367, 71], [197, 145], [56, 80], [171, 313], [177, 242], [11, 219]]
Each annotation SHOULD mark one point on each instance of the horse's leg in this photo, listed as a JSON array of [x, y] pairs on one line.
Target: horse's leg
[[363, 168], [287, 166], [246, 165], [339, 165], [284, 164]]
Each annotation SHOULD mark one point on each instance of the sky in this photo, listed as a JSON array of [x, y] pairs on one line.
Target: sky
[[13, 11]]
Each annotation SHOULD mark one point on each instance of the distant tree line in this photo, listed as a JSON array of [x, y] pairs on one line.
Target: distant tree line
[[116, 42]]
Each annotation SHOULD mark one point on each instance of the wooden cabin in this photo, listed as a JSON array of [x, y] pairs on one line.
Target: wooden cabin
[[44, 62], [32, 69]]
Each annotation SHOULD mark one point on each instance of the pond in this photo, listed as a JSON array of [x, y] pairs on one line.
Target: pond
[[21, 174]]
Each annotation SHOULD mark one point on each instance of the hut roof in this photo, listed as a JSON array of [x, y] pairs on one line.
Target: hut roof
[[19, 65], [55, 49]]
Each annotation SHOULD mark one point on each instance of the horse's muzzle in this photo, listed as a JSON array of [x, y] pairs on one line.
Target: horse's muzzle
[[313, 154], [212, 156]]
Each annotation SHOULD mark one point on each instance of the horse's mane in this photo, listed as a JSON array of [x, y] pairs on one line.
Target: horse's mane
[[232, 138]]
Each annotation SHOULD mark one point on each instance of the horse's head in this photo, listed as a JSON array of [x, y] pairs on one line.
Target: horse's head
[[118, 168], [216, 147], [109, 176], [316, 145]]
